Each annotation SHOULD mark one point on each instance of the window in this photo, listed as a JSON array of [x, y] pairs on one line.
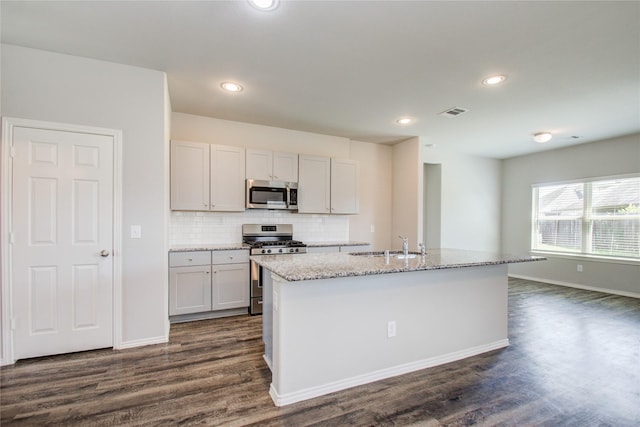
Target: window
[[596, 217]]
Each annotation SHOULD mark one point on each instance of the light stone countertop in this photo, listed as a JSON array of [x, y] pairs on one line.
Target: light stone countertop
[[299, 267], [340, 243], [208, 247]]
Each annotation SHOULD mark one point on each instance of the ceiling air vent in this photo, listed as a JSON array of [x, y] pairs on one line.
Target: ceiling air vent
[[454, 112]]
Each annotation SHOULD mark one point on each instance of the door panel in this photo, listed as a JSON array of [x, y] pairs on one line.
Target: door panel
[[43, 299], [42, 210], [62, 218]]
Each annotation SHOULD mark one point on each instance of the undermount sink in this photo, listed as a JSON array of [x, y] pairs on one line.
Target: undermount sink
[[395, 254]]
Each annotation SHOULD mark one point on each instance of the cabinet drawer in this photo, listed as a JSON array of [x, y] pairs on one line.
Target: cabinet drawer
[[185, 259], [229, 257]]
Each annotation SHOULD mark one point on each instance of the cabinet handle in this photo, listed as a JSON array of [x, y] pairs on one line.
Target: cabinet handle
[[230, 257], [190, 259], [207, 272]]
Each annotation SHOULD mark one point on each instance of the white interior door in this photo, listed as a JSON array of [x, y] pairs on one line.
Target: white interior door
[[62, 241]]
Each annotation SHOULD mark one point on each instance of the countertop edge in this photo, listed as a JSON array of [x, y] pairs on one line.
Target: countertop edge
[[299, 273], [243, 246]]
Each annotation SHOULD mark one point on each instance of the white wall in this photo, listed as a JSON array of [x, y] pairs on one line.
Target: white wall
[[46, 86], [216, 131], [432, 218], [604, 158], [375, 195], [470, 200], [407, 197]]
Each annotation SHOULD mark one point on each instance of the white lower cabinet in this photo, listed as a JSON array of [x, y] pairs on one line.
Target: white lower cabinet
[[190, 289], [230, 286], [208, 281]]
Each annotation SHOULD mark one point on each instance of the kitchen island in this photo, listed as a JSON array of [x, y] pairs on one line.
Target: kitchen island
[[334, 321]]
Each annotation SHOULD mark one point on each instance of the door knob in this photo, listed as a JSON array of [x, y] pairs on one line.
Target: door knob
[[104, 253]]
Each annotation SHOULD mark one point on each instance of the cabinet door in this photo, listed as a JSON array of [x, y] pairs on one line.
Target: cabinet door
[[189, 176], [230, 286], [259, 164], [285, 167], [344, 186], [227, 178], [314, 185], [189, 289]]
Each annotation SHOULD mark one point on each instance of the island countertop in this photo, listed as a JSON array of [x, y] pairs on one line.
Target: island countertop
[[300, 267]]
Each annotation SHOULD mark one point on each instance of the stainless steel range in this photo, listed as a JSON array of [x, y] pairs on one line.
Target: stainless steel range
[[267, 239]]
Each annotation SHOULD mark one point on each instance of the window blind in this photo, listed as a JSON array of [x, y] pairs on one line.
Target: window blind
[[596, 217]]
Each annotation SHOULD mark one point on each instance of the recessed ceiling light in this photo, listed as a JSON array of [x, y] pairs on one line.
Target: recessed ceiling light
[[265, 5], [542, 137], [404, 121], [493, 80], [231, 87]]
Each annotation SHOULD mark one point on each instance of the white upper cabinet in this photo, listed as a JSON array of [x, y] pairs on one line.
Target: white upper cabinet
[[344, 186], [189, 176], [272, 165], [227, 178], [206, 177], [327, 185], [314, 185]]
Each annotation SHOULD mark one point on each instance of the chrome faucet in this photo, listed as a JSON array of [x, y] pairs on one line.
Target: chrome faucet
[[405, 246], [423, 249]]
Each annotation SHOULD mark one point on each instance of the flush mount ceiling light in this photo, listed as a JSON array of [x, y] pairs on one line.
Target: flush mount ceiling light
[[265, 5], [404, 121], [231, 87], [542, 137], [494, 80]]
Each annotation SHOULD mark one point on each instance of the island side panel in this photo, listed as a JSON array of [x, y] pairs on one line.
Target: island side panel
[[267, 316], [331, 334]]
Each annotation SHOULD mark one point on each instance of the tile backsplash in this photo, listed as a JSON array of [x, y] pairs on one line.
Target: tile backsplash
[[188, 228]]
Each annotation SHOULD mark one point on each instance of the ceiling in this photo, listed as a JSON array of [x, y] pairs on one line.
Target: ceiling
[[351, 68]]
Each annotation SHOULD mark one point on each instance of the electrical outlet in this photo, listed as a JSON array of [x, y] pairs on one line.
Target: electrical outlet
[[136, 232], [391, 329], [580, 268]]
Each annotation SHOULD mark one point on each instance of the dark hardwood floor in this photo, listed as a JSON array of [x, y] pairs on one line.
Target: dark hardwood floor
[[574, 360]]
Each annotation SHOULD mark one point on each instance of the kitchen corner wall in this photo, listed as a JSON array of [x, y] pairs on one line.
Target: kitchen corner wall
[[187, 228]]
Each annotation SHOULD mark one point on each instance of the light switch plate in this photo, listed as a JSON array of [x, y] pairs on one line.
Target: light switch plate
[[136, 231]]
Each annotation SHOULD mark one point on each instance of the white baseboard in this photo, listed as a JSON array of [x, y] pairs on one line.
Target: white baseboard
[[139, 343], [576, 285], [309, 393]]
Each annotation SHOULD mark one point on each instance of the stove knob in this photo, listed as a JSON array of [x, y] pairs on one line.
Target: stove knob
[[291, 250], [280, 250], [268, 251], [263, 251], [297, 250]]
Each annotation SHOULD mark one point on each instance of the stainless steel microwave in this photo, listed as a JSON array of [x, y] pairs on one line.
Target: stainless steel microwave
[[272, 195]]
